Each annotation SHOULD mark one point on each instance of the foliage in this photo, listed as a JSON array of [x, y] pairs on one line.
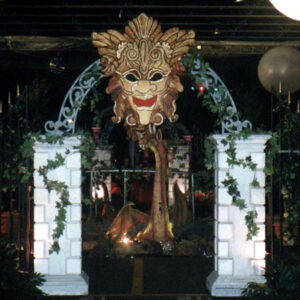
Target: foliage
[[282, 169], [15, 284], [97, 120], [199, 75], [209, 159], [61, 189], [86, 149], [282, 283]]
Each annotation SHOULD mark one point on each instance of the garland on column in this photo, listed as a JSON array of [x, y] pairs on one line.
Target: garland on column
[[63, 198], [86, 149], [229, 140]]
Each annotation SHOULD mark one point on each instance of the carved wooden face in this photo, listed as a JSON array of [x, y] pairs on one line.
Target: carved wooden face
[[143, 64]]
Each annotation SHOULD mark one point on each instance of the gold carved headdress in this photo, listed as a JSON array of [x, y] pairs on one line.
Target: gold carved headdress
[[143, 46]]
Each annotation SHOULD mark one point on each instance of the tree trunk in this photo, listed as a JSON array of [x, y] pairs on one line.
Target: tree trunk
[[159, 227]]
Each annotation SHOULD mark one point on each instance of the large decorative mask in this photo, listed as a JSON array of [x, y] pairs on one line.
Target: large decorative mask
[[144, 63]]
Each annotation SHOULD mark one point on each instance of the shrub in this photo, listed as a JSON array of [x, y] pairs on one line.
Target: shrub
[[282, 283], [16, 284]]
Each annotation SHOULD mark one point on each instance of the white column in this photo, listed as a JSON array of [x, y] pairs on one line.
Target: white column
[[178, 159], [238, 261], [62, 271]]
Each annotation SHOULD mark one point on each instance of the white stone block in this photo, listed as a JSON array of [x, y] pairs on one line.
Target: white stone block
[[74, 161], [41, 266], [258, 196], [57, 265], [41, 196], [225, 231], [261, 214], [74, 231], [107, 157], [76, 178], [75, 213], [258, 266], [73, 266], [225, 266], [224, 197], [222, 160], [38, 180], [39, 214], [39, 249], [41, 231], [259, 159], [61, 174], [261, 236], [51, 210], [56, 150], [223, 213], [100, 155], [221, 177], [68, 216], [40, 160], [76, 248], [75, 195], [259, 250], [223, 249], [261, 178]]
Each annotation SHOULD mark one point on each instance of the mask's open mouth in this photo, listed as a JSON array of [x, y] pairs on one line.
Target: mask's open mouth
[[144, 102]]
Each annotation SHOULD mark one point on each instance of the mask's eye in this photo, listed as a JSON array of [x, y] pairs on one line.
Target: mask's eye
[[131, 78], [156, 77]]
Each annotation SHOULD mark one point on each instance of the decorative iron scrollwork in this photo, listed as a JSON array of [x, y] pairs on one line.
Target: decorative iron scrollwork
[[210, 80], [92, 75], [73, 100]]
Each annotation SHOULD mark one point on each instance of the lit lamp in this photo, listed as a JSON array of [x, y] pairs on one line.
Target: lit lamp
[[290, 8]]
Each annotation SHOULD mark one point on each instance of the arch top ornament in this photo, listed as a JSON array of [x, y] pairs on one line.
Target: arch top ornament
[[73, 101], [212, 82]]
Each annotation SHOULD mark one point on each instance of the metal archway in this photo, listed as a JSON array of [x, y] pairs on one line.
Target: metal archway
[[92, 75]]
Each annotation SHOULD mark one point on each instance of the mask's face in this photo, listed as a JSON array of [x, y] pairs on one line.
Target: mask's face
[[143, 64], [144, 95]]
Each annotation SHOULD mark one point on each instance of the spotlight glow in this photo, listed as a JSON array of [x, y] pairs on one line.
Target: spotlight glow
[[125, 240]]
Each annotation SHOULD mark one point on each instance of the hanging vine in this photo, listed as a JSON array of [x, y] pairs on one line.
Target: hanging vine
[[229, 141], [62, 191]]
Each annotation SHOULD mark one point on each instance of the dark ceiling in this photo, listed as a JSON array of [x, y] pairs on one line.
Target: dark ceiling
[[222, 27]]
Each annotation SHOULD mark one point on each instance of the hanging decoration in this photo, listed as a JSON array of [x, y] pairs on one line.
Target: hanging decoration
[[279, 70], [200, 88], [144, 64]]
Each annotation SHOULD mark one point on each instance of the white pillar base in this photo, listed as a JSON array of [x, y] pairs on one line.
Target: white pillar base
[[228, 286], [66, 285]]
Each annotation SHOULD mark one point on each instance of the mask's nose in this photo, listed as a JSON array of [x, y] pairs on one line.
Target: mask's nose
[[144, 87]]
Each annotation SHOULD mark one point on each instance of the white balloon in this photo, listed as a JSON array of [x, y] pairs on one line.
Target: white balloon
[[279, 69]]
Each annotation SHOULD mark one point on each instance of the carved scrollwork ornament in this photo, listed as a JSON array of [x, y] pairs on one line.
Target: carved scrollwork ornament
[[144, 64]]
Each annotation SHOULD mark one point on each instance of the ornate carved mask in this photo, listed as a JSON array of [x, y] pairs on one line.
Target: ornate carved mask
[[144, 63]]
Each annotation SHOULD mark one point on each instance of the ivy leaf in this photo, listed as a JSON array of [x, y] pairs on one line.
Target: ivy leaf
[[255, 182], [253, 229]]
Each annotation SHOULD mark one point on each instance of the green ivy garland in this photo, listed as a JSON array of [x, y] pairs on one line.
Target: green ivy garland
[[229, 140], [61, 204], [86, 148]]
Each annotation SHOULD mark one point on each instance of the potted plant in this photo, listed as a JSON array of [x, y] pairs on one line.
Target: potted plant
[[96, 126]]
